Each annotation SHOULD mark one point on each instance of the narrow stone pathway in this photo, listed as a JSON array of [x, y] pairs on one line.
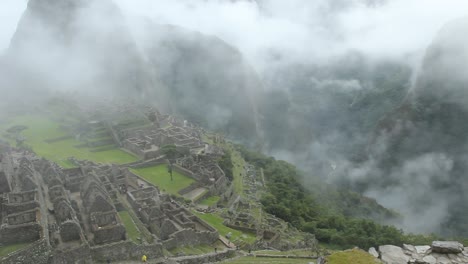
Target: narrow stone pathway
[[194, 194], [226, 242]]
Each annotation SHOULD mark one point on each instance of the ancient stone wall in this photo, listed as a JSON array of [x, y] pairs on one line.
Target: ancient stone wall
[[189, 237], [242, 228], [191, 187], [125, 250], [185, 172], [206, 258], [20, 233], [145, 164], [109, 234], [80, 255], [20, 207], [70, 231], [36, 253]]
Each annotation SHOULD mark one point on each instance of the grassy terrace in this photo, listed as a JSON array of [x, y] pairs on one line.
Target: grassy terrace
[[238, 168], [216, 221], [132, 231], [354, 256], [159, 176], [12, 248], [248, 260], [41, 128], [210, 201], [301, 252], [197, 250]]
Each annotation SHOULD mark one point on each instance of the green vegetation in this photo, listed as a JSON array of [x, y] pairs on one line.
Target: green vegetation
[[40, 128], [289, 200], [132, 231], [197, 250], [237, 167], [210, 200], [258, 260], [226, 164], [144, 232], [354, 256], [238, 237], [12, 248], [159, 176], [299, 252], [170, 151]]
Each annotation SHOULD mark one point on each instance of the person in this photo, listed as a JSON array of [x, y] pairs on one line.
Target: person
[[144, 258]]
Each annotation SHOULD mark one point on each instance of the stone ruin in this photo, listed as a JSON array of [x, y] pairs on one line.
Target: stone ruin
[[72, 215], [171, 223], [21, 210], [145, 134], [440, 252], [146, 141]]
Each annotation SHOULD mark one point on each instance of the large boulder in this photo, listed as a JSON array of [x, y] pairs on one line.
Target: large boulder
[[393, 255], [447, 247]]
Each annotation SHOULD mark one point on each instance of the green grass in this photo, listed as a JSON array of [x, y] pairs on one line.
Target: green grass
[[12, 248], [217, 222], [301, 252], [210, 200], [41, 128], [238, 169], [354, 256], [248, 260], [132, 231], [144, 232], [197, 250], [159, 176]]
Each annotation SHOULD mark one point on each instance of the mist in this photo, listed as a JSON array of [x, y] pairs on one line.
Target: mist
[[331, 70]]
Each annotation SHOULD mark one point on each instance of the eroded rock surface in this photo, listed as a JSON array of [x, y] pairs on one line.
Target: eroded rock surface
[[440, 252]]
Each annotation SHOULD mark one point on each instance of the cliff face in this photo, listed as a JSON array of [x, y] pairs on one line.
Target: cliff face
[[209, 81], [77, 45], [423, 144], [85, 45]]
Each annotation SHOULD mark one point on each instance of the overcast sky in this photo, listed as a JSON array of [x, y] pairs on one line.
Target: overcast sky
[[296, 27]]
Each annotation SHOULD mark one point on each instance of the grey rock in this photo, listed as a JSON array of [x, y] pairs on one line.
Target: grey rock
[[454, 258], [393, 255], [410, 248], [373, 252], [429, 259], [447, 247], [422, 249]]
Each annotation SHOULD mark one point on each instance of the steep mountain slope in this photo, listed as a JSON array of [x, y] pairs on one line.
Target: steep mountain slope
[[421, 147], [85, 45], [333, 109], [210, 82], [77, 45]]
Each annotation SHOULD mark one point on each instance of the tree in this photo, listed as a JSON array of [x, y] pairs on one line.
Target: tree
[[169, 170], [225, 163], [170, 151]]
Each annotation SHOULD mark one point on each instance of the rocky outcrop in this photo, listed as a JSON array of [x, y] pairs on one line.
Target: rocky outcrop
[[393, 254], [443, 252], [447, 247]]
